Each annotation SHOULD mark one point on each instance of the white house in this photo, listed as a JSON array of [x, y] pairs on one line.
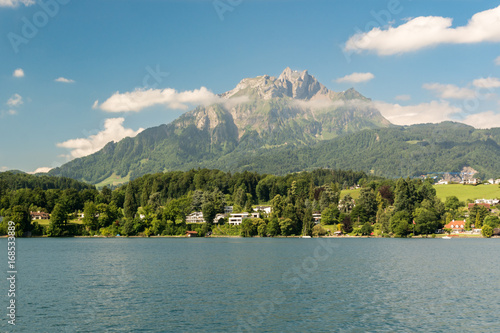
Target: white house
[[228, 209], [218, 217], [265, 209], [195, 217], [317, 218], [237, 218]]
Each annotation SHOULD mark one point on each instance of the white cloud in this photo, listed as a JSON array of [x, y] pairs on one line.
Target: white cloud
[[15, 3], [7, 113], [487, 83], [402, 98], [497, 61], [450, 91], [15, 101], [41, 170], [433, 112], [356, 78], [427, 31], [488, 119], [113, 131], [18, 73], [64, 80], [140, 99], [95, 105]]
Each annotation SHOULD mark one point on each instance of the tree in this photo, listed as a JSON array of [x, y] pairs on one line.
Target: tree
[[58, 221], [287, 226], [130, 204], [330, 215], [262, 228], [368, 201], [273, 227], [90, 219], [426, 221], [213, 203], [318, 231], [400, 223], [487, 231], [477, 215], [405, 196], [367, 229], [452, 203], [492, 221], [21, 217]]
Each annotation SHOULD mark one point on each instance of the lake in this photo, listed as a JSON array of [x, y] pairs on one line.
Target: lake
[[255, 285]]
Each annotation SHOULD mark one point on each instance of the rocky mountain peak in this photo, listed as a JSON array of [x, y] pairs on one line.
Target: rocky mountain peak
[[291, 83]]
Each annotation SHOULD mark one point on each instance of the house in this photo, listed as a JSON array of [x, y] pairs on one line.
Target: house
[[487, 205], [39, 215], [195, 217], [218, 217], [80, 215], [237, 218], [228, 209], [471, 181], [191, 233], [442, 182], [265, 209], [491, 202], [317, 217], [456, 226]]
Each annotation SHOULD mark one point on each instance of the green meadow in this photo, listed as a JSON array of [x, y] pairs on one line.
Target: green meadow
[[462, 192]]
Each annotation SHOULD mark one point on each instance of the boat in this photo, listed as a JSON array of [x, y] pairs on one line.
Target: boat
[[306, 236], [446, 237]]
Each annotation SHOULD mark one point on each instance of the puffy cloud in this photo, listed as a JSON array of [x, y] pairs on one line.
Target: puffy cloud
[[427, 31], [488, 119], [15, 3], [450, 91], [402, 98], [433, 112], [487, 83], [113, 131], [64, 80], [140, 99], [7, 113], [15, 101], [356, 78], [18, 72]]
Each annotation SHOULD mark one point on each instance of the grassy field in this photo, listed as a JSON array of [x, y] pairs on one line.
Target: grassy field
[[114, 179], [462, 192]]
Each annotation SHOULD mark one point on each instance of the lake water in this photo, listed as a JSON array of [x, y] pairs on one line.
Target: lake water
[[260, 285]]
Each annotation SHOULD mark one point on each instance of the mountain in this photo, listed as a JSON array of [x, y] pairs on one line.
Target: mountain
[[260, 114]]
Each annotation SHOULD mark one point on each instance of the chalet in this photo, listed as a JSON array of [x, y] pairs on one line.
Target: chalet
[[195, 217], [191, 233], [456, 226], [316, 217], [471, 181], [39, 215]]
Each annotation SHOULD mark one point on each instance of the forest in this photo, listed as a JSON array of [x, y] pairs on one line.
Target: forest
[[158, 204]]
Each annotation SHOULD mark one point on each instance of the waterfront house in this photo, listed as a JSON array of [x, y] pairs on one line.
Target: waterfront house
[[316, 217], [219, 217], [456, 226], [191, 233]]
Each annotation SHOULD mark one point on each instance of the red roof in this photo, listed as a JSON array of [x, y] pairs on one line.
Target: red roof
[[192, 232], [455, 225], [479, 204]]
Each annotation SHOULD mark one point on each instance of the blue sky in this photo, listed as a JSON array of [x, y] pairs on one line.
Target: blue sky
[[77, 74]]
